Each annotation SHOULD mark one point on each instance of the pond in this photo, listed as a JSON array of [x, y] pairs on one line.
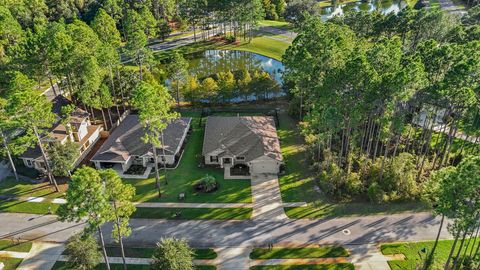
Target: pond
[[384, 7], [211, 62]]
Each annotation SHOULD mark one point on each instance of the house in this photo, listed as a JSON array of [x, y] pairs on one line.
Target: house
[[78, 130], [248, 142], [124, 147]]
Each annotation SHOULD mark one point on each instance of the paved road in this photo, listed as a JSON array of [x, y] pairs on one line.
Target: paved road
[[362, 230]]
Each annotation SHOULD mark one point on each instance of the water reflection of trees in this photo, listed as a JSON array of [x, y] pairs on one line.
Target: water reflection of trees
[[214, 61]]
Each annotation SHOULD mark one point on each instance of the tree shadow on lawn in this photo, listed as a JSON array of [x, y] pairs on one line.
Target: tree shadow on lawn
[[10, 187]]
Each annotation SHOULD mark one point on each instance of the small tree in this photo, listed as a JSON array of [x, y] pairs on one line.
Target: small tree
[[82, 250], [120, 196], [172, 254], [163, 30], [209, 89], [86, 199], [62, 157], [177, 72]]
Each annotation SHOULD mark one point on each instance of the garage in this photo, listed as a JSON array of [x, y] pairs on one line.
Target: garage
[[262, 165]]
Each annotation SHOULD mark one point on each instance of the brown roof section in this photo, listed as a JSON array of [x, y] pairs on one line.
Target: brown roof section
[[126, 140], [248, 136]]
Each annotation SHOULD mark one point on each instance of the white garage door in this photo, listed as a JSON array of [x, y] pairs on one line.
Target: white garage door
[[264, 167]]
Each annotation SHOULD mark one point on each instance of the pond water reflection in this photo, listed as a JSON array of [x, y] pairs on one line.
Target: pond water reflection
[[384, 7], [211, 62]]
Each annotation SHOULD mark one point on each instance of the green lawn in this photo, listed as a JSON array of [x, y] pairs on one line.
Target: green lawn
[[298, 253], [8, 245], [10, 263], [62, 266], [182, 179], [297, 183], [261, 45], [194, 213], [411, 252], [147, 252], [28, 207], [340, 266], [276, 24], [10, 187]]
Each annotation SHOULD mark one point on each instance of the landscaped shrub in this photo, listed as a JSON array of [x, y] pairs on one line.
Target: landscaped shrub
[[230, 38], [207, 184]]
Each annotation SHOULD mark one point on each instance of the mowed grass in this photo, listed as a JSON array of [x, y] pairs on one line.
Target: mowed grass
[[10, 187], [298, 253], [63, 266], [28, 207], [193, 213], [412, 253], [147, 252], [183, 178], [8, 245], [261, 45], [10, 263], [340, 266], [297, 183]]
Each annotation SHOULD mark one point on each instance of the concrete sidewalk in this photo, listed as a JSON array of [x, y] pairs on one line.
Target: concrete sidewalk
[[42, 256]]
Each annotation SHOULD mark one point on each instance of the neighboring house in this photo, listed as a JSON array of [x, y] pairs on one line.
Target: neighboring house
[[79, 130], [124, 147], [249, 143]]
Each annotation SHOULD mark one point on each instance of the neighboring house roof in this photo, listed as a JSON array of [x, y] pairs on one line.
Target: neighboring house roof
[[58, 131], [126, 140], [248, 136]]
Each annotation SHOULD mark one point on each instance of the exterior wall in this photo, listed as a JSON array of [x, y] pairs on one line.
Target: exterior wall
[[127, 164], [25, 162], [264, 165], [82, 130], [212, 154]]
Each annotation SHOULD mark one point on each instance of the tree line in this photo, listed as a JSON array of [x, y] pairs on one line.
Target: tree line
[[383, 98]]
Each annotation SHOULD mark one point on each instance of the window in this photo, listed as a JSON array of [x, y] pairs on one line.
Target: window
[[240, 158], [213, 159], [227, 160], [29, 162]]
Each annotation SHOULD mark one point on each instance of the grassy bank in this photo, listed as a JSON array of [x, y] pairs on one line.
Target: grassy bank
[[298, 253]]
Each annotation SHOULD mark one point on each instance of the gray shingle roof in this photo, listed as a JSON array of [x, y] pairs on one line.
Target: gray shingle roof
[[126, 140], [248, 136]]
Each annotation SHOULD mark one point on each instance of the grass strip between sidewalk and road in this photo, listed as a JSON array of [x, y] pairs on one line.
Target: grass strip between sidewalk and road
[[299, 253], [340, 266], [10, 263], [63, 266], [193, 213], [413, 254], [147, 252], [8, 245]]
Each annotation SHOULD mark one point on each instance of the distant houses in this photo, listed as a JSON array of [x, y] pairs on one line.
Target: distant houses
[[78, 130]]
